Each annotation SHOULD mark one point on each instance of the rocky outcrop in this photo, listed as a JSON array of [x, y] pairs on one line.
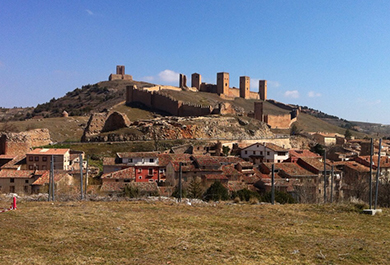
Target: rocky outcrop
[[168, 128]]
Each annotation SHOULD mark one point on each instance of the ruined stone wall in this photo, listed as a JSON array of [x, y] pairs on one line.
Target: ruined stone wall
[[233, 92], [143, 96], [254, 95], [278, 121], [119, 77], [166, 103], [95, 125], [23, 142], [187, 109]]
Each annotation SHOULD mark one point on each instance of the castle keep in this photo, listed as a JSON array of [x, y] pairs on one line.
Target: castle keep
[[120, 74]]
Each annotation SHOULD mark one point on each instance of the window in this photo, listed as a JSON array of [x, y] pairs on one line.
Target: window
[[268, 153], [254, 152], [26, 181], [43, 167], [127, 180], [150, 171], [44, 158], [11, 180], [12, 189], [246, 152], [261, 152], [139, 170], [151, 160], [30, 158], [31, 167], [25, 189], [139, 177], [37, 158], [130, 160]]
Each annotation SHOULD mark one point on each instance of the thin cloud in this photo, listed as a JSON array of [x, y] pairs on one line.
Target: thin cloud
[[89, 12], [149, 78], [168, 76], [1, 64], [313, 94], [273, 83], [366, 102], [255, 83], [291, 94]]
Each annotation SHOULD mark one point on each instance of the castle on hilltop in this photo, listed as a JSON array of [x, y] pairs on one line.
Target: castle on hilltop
[[120, 74], [223, 89], [154, 97]]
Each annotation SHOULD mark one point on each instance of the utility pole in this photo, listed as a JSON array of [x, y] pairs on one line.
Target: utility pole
[[273, 184], [52, 177], [180, 184], [324, 176], [377, 174], [370, 180], [331, 185], [86, 177], [81, 176]]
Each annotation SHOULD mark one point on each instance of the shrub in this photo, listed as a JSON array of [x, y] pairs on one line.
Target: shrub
[[216, 192], [245, 195], [195, 190], [280, 197], [131, 191]]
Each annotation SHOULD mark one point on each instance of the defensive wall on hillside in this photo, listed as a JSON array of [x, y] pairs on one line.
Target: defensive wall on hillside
[[157, 99]]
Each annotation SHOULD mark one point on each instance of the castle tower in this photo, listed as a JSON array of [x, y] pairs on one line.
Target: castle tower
[[120, 74], [120, 70], [244, 86], [182, 81], [258, 110], [222, 83], [263, 89], [196, 80]]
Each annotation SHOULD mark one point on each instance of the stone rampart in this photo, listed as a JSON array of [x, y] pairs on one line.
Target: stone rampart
[[157, 99], [187, 109], [165, 103]]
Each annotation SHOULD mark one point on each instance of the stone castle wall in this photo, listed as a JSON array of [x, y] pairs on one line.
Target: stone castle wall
[[161, 101], [21, 143], [279, 121]]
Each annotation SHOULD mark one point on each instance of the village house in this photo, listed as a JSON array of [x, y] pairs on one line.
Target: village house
[[116, 181], [327, 139], [18, 181], [266, 152], [40, 159]]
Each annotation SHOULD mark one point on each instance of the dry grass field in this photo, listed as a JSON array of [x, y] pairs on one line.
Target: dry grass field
[[140, 232]]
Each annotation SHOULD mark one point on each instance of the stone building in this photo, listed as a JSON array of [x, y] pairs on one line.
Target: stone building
[[120, 74], [222, 83], [263, 89], [244, 86]]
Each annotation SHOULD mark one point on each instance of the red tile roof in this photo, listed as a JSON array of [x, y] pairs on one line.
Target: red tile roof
[[127, 173], [48, 151], [44, 179], [302, 153], [137, 154], [19, 173]]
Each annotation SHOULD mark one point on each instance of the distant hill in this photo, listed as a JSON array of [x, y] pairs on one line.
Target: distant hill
[[108, 95]]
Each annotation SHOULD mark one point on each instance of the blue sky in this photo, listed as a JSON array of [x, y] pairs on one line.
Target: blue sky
[[333, 56]]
